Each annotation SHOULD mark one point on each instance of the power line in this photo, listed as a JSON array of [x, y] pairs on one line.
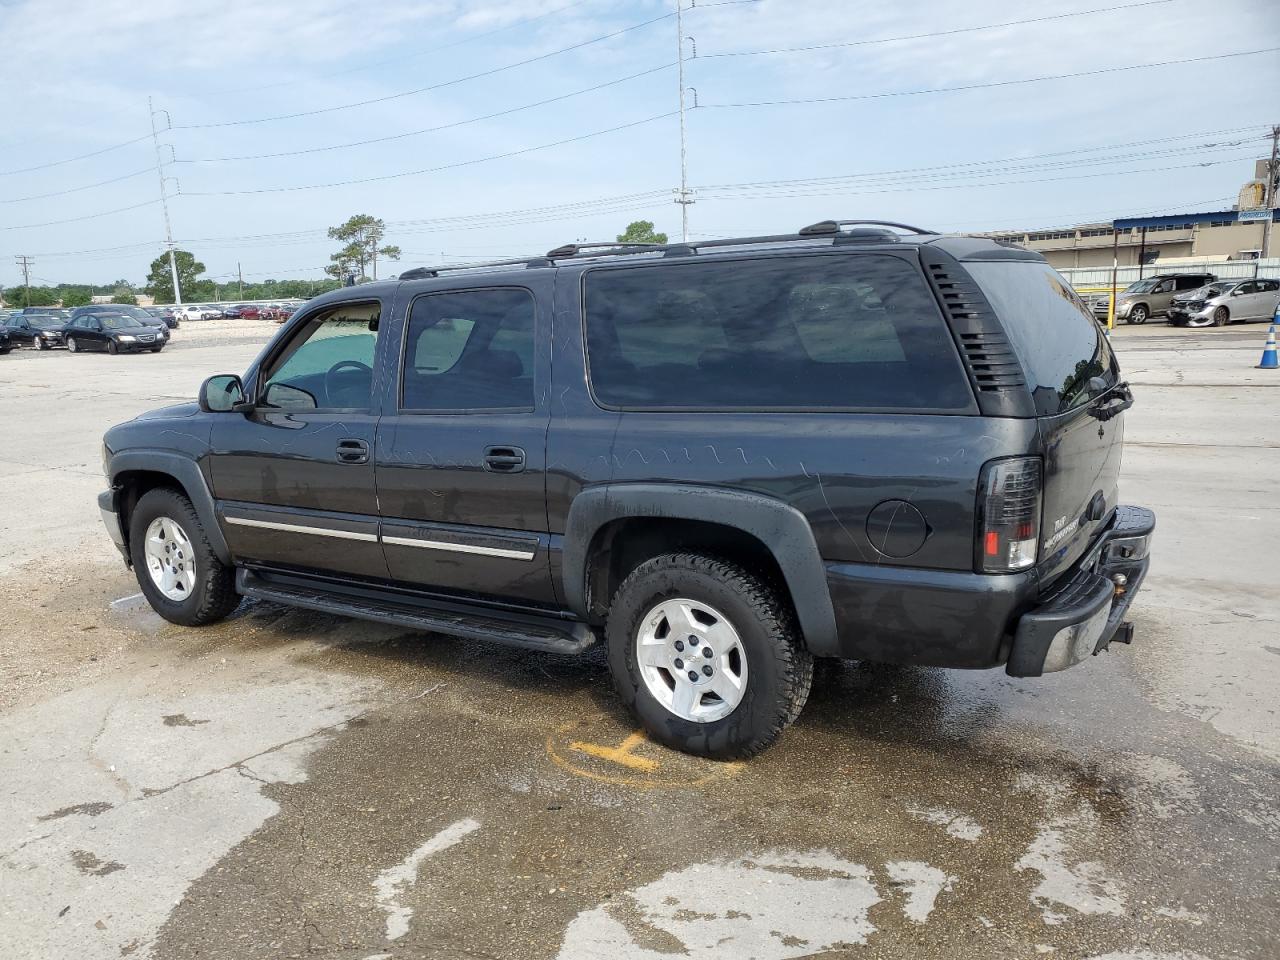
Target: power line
[[83, 156], [87, 186], [89, 216], [442, 167], [937, 33], [435, 86], [436, 129], [411, 56], [997, 83]]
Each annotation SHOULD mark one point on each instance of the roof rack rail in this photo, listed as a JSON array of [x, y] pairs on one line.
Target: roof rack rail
[[573, 249], [424, 273], [829, 227]]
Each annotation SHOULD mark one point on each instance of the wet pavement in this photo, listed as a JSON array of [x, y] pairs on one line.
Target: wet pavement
[[288, 784]]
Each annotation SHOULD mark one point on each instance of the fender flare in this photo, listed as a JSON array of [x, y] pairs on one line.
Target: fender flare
[[780, 527], [187, 472]]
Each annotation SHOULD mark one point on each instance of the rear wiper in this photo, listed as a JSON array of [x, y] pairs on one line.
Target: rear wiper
[[1118, 399]]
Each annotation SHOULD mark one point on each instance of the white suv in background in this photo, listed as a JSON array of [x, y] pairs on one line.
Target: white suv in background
[[194, 311]]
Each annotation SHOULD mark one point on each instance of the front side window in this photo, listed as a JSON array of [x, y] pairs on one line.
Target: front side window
[[815, 332], [328, 364], [469, 350]]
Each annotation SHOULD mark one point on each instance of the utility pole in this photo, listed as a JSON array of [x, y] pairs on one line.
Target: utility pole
[[164, 203], [683, 199], [25, 262], [1269, 193], [240, 274]]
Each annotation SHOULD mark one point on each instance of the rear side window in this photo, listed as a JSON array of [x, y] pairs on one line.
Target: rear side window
[[824, 332], [1053, 333], [469, 350]]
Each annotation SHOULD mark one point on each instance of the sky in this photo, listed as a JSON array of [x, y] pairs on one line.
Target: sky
[[508, 127]]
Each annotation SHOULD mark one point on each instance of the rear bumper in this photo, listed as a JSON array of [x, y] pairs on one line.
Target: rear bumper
[[1086, 612]]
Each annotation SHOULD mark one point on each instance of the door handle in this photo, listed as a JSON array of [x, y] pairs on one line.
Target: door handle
[[503, 459], [353, 451]]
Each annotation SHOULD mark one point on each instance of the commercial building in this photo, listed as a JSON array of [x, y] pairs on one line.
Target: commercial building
[[1171, 240]]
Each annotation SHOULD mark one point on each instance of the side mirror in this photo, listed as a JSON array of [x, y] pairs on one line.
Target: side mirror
[[223, 394]]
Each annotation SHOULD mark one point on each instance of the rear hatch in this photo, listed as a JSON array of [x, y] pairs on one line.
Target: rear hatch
[[1075, 383]]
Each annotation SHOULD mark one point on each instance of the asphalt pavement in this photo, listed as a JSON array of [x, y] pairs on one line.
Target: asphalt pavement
[[288, 784]]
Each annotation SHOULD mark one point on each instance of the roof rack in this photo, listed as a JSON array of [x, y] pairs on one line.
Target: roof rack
[[572, 251], [425, 273]]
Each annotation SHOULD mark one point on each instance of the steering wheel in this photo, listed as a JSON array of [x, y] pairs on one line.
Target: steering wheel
[[344, 369]]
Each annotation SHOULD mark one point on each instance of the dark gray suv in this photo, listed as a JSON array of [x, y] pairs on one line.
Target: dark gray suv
[[720, 459]]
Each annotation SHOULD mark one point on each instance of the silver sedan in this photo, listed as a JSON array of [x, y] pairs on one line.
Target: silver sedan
[[1226, 301]]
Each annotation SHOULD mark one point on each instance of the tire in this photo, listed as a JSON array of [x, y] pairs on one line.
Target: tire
[[156, 349], [41, 345], [769, 658], [1221, 316], [4, 350], [72, 346], [112, 348], [1139, 314], [209, 593]]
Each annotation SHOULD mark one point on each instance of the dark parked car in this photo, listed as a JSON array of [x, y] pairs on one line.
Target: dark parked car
[[6, 342], [163, 313], [36, 330], [124, 310], [721, 459], [112, 333]]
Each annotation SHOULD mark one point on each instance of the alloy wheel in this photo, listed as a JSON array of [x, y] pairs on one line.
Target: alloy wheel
[[691, 660], [170, 559]]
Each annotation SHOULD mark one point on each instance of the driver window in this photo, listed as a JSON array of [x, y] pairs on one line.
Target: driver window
[[328, 365]]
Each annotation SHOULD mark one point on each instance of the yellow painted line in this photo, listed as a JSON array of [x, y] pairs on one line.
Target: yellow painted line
[[620, 754]]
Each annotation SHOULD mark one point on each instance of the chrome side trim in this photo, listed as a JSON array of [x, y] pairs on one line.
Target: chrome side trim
[[299, 528], [460, 548]]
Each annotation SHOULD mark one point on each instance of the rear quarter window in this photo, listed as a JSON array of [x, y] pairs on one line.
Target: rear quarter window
[[853, 331], [1059, 344]]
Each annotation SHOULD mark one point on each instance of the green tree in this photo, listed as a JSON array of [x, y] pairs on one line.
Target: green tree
[[123, 296], [641, 231], [160, 281], [77, 297], [361, 237]]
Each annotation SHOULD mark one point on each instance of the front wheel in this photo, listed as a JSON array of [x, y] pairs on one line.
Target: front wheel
[[156, 349], [112, 348], [72, 346], [1220, 317], [706, 655], [1139, 314], [177, 569], [41, 345]]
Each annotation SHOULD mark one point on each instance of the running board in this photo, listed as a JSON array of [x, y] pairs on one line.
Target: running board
[[512, 629]]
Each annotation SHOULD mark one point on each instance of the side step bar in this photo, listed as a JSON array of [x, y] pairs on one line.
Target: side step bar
[[512, 629]]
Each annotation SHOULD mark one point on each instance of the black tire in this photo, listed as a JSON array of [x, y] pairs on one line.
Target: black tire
[[72, 346], [779, 668], [1139, 314], [112, 348], [4, 350], [41, 345], [1221, 316], [156, 349], [214, 596]]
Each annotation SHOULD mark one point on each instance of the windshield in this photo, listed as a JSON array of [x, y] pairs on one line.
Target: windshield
[[116, 322], [45, 323], [1141, 286], [1217, 289]]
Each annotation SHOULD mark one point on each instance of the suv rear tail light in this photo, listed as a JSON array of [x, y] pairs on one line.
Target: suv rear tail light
[[1009, 500]]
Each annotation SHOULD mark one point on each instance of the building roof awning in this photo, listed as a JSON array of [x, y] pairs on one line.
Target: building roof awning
[[1233, 216]]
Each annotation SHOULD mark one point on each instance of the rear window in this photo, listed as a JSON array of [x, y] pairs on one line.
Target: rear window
[[827, 332], [1056, 339]]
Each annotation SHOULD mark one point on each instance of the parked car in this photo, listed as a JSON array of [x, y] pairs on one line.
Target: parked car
[[1228, 301], [720, 459], [6, 342], [249, 311], [195, 311], [1151, 297], [37, 330], [165, 314], [285, 311], [123, 310], [112, 333]]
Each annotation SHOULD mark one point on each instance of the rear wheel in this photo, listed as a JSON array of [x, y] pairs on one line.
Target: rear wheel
[[706, 655], [1139, 314], [180, 575]]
